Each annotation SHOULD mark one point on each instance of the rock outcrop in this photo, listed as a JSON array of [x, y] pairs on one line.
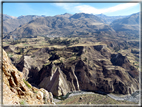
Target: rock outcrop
[[16, 90], [55, 82], [30, 65]]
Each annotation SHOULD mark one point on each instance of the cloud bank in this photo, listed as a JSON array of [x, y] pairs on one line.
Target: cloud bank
[[92, 10]]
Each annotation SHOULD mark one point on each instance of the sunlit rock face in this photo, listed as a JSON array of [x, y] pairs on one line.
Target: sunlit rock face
[[16, 90]]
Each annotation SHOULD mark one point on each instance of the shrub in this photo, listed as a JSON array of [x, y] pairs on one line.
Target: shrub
[[85, 59], [33, 56], [117, 48]]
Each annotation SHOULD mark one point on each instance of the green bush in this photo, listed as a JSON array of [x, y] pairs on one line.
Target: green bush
[[85, 59], [117, 48]]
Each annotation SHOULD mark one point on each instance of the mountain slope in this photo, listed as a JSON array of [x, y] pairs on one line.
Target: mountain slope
[[109, 19], [77, 24], [11, 24], [67, 15], [5, 17], [127, 26]]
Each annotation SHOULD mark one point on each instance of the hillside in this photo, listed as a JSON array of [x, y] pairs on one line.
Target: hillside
[[128, 26], [80, 24], [109, 19], [5, 17], [10, 24]]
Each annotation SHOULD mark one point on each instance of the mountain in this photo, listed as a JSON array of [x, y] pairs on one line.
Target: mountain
[[77, 24], [12, 23], [84, 15], [109, 19], [67, 15], [5, 17], [127, 26]]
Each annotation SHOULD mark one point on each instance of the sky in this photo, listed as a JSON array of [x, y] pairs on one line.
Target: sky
[[51, 9]]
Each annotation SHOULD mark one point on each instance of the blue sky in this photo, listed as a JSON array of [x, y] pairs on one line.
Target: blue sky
[[51, 9]]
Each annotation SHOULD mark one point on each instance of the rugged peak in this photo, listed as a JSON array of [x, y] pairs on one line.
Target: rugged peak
[[85, 15]]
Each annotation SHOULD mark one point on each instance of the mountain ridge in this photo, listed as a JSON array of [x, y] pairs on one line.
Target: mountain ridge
[[77, 24]]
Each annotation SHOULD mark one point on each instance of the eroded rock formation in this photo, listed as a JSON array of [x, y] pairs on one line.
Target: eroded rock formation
[[16, 90]]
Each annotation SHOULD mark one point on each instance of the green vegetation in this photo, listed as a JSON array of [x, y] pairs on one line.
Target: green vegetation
[[62, 97], [58, 41], [117, 48], [9, 55], [48, 63], [72, 58], [27, 84], [32, 56], [22, 102], [25, 44], [35, 91], [85, 59]]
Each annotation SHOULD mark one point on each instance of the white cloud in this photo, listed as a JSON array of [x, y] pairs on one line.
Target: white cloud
[[70, 7], [76, 7], [93, 10], [66, 6]]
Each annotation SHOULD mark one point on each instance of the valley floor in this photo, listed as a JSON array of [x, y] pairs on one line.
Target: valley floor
[[93, 99]]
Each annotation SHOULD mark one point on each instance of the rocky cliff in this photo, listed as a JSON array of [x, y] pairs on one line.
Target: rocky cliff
[[87, 67], [16, 90], [94, 68]]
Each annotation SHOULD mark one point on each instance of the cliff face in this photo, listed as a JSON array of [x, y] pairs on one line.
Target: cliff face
[[94, 68], [16, 90]]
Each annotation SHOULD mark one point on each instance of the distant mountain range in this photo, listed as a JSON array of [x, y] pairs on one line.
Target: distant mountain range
[[127, 26], [109, 19], [5, 17], [79, 24], [10, 24]]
